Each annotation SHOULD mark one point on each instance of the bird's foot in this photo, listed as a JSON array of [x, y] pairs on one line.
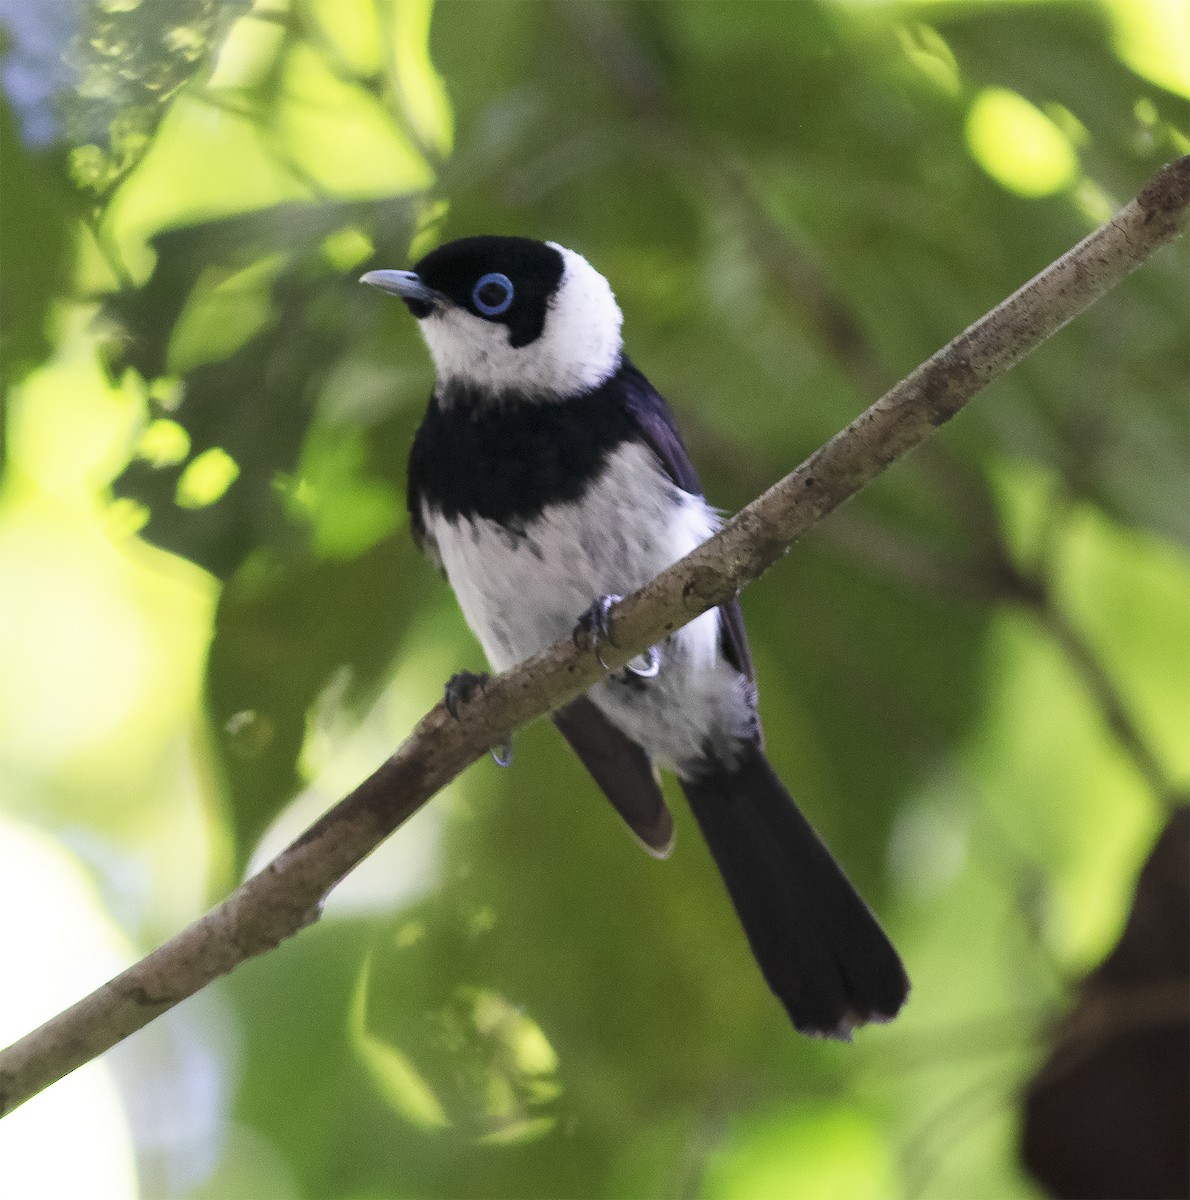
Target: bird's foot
[[460, 688], [595, 625]]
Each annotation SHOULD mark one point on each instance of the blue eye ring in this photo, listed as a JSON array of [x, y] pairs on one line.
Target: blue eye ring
[[486, 281]]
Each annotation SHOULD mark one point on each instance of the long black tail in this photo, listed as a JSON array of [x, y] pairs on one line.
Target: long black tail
[[820, 948]]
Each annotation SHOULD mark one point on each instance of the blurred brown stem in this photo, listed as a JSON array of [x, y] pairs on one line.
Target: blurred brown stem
[[1082, 656], [287, 894]]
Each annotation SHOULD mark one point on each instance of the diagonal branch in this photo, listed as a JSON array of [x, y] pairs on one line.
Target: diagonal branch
[[1114, 709], [287, 894]]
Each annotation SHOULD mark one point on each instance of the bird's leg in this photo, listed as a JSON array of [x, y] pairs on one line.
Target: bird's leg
[[460, 688], [595, 625]]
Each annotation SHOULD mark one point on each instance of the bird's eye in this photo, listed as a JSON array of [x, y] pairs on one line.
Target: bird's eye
[[493, 294]]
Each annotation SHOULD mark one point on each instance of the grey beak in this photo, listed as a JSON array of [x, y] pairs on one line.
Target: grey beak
[[405, 284]]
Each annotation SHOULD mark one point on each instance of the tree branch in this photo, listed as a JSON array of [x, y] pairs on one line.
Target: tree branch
[[287, 894], [1116, 714]]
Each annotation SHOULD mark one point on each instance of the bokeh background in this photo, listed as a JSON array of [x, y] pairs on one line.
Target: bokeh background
[[976, 676]]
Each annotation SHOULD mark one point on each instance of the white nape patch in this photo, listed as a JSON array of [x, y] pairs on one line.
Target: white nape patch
[[520, 591], [578, 348]]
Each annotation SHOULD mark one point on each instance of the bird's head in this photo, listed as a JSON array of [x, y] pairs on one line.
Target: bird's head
[[511, 316]]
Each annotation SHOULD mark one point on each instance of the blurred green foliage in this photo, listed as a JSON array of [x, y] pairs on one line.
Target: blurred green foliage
[[213, 620]]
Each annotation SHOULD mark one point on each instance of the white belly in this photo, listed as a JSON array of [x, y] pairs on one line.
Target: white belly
[[521, 590]]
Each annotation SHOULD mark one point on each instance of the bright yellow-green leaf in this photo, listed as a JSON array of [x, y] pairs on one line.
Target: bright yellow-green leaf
[[222, 313], [1018, 145], [341, 137], [163, 443], [518, 1132], [351, 28], [395, 1078], [423, 97], [824, 1152], [400, 1085], [929, 52], [206, 478], [1153, 36], [206, 161], [347, 248]]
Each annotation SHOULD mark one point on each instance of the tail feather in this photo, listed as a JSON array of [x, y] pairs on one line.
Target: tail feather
[[820, 948]]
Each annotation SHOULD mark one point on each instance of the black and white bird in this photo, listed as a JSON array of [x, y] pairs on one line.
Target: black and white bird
[[548, 479]]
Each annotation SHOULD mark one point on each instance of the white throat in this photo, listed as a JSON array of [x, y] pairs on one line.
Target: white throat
[[577, 350]]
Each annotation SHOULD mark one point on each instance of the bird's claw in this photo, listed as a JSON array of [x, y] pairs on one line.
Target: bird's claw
[[650, 668], [460, 688], [595, 625]]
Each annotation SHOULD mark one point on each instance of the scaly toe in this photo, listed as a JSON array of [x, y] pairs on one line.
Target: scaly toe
[[460, 688], [595, 625]]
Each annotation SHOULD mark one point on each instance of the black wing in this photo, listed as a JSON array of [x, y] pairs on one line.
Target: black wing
[[413, 491], [660, 431], [623, 770], [620, 767]]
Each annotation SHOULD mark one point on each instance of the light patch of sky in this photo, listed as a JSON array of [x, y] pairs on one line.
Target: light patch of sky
[[35, 68], [73, 1139]]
